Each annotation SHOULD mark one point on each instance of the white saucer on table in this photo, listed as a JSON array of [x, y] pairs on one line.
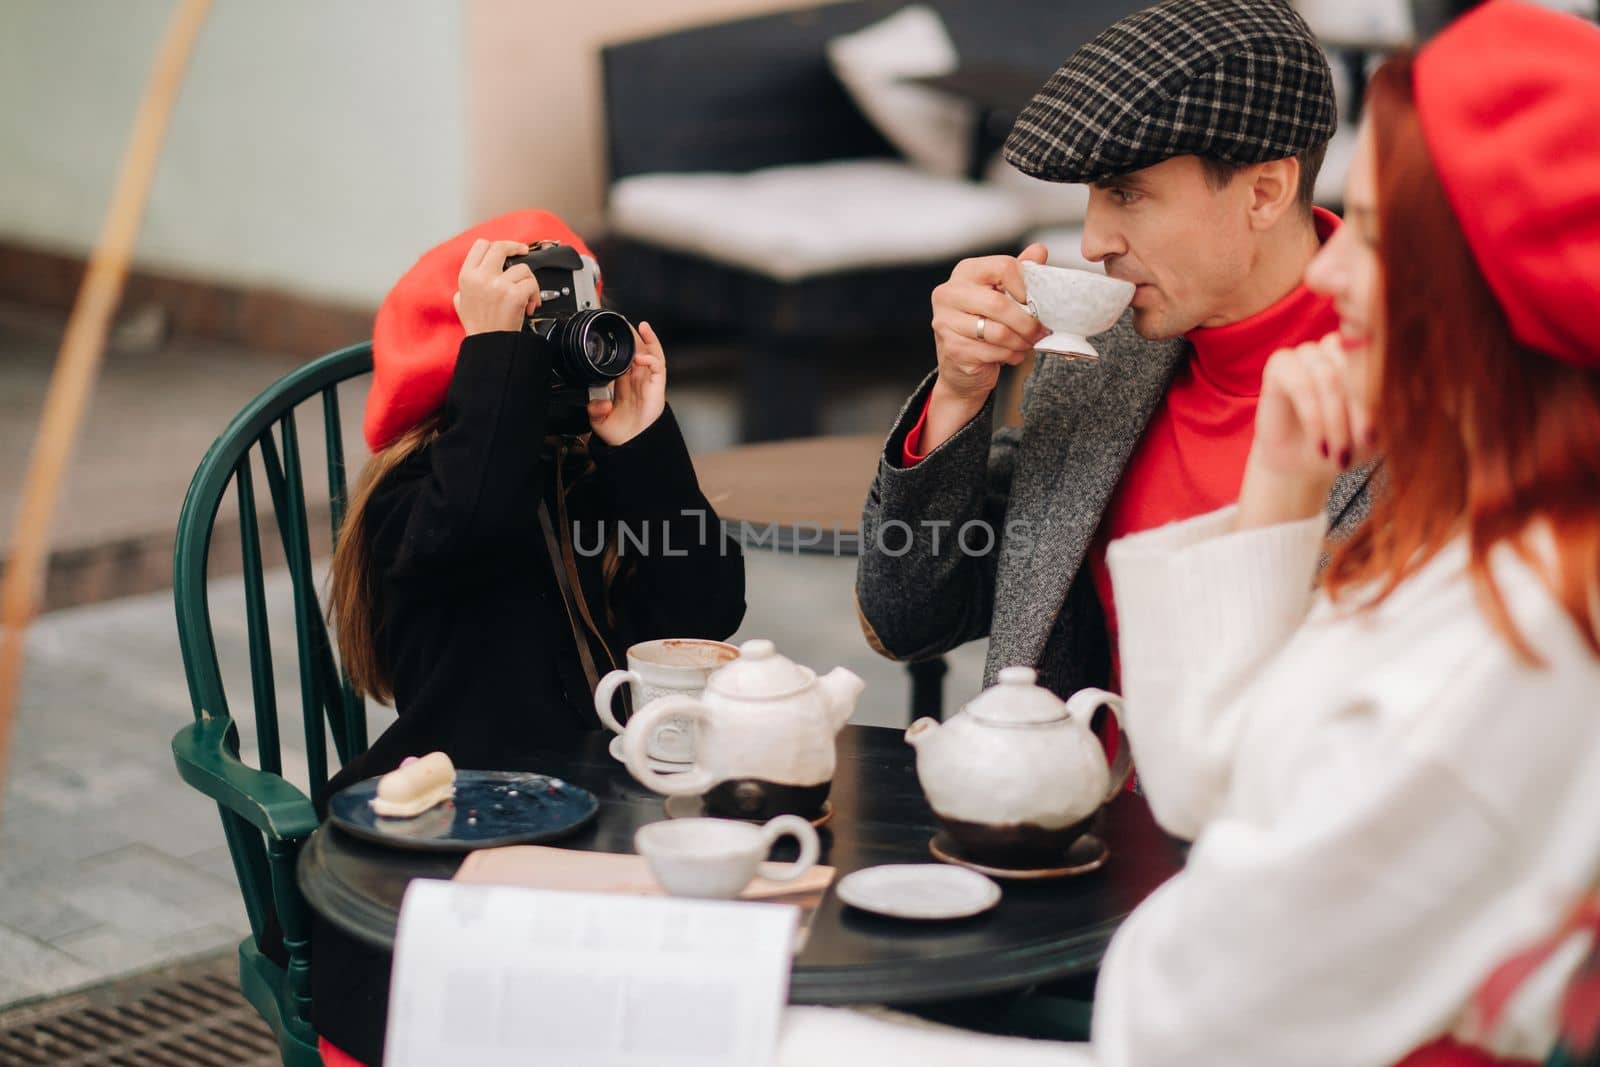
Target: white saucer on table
[[919, 891]]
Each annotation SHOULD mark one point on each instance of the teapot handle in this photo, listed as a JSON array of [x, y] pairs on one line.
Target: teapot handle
[[606, 690], [642, 726], [1081, 707]]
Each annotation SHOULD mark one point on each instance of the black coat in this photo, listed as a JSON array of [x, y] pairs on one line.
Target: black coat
[[474, 628]]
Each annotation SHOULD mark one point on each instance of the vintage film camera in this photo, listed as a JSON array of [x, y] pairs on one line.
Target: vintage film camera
[[591, 346]]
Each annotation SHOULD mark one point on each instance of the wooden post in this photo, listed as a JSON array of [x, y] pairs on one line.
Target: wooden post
[[78, 361]]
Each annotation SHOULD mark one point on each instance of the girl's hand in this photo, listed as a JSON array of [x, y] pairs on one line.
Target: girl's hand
[[641, 393], [489, 298], [1312, 423]]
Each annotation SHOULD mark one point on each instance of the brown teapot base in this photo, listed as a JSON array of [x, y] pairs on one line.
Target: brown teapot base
[[1016, 846], [1088, 854], [758, 800]]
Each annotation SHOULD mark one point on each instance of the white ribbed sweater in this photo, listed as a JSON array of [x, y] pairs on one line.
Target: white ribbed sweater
[[1384, 806]]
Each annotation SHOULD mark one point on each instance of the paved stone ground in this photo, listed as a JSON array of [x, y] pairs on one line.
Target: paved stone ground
[[154, 412], [109, 864]]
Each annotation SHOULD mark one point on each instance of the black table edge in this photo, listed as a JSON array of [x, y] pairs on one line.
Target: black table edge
[[352, 913], [980, 977]]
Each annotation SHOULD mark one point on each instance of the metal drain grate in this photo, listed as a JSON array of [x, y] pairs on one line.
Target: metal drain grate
[[188, 1015]]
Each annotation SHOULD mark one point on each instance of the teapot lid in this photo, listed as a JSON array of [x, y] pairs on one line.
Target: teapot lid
[[760, 672], [1017, 700]]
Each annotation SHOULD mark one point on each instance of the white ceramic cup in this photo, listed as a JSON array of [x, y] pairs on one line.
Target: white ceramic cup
[[1074, 305], [717, 858], [675, 666]]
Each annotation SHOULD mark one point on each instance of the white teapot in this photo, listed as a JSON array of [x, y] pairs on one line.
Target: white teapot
[[764, 741], [1017, 775]]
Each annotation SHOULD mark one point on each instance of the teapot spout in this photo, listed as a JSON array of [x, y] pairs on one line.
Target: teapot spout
[[842, 688], [921, 730]]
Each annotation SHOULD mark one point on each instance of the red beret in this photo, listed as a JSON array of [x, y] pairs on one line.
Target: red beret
[[1508, 97], [417, 335]]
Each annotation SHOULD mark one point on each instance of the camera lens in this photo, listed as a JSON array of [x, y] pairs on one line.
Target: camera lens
[[594, 346]]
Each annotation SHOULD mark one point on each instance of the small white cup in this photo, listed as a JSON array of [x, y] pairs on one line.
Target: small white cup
[[675, 666], [716, 858], [1074, 304]]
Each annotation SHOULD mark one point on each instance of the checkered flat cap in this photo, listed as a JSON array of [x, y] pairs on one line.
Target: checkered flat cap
[[1242, 81]]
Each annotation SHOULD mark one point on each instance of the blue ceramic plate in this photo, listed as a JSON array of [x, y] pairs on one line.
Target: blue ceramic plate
[[490, 808]]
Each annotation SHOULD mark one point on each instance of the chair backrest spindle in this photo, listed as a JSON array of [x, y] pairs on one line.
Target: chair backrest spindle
[[297, 547], [354, 709], [258, 631]]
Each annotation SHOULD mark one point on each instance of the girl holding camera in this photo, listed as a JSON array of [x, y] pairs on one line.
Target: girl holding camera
[[480, 580]]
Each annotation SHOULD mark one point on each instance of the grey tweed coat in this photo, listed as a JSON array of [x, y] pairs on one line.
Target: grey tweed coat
[[929, 578]]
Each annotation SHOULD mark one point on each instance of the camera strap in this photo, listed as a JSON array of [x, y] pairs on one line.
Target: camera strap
[[565, 565], [565, 580]]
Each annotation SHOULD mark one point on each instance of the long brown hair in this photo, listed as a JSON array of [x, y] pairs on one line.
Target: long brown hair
[[353, 582], [1481, 435]]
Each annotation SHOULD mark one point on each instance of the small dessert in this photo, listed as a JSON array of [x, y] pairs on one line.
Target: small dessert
[[415, 786]]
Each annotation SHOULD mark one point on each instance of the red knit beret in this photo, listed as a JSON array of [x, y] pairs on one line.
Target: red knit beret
[[417, 335], [1509, 101]]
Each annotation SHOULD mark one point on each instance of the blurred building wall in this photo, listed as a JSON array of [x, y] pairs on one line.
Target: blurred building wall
[[534, 93], [317, 146]]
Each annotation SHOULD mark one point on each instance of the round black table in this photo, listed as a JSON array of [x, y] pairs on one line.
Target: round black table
[[1040, 930]]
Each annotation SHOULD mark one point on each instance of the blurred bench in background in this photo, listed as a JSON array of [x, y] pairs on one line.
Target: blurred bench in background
[[752, 195]]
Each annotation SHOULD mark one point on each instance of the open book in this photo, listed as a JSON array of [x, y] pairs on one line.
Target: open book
[[499, 975]]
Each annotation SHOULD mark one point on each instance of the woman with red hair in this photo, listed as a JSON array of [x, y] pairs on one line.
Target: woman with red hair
[[1391, 782]]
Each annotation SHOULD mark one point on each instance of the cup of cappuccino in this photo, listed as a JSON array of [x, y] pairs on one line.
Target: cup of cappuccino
[[671, 666]]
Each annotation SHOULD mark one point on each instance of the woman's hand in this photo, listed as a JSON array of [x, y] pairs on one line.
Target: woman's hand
[[1312, 423], [641, 393], [489, 298]]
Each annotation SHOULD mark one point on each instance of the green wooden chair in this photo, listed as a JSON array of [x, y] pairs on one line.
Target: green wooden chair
[[265, 817]]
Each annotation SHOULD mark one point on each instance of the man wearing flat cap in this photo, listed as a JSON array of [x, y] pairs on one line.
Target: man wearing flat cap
[[1200, 126]]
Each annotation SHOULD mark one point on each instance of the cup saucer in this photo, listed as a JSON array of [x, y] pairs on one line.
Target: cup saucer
[[694, 807], [1088, 853], [660, 766], [918, 891]]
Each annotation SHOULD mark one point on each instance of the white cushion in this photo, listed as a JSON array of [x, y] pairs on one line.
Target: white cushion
[[930, 128], [798, 222], [1065, 244], [1372, 21], [1047, 203]]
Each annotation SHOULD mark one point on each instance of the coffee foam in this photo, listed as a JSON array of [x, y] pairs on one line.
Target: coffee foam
[[703, 655]]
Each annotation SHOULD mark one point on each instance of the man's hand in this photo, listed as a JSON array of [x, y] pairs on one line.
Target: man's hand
[[987, 297], [489, 298]]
